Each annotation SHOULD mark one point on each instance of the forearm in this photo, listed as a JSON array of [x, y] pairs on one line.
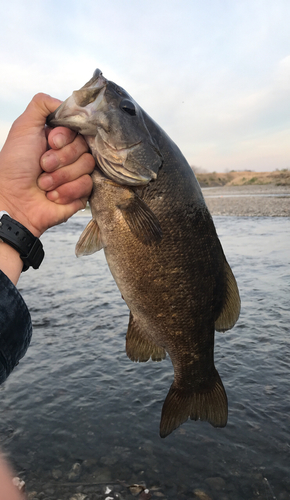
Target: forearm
[[44, 180], [15, 327], [10, 262]]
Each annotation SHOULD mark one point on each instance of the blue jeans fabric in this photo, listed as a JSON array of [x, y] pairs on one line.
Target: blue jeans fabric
[[15, 327]]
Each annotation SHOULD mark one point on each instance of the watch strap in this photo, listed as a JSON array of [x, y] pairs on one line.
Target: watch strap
[[21, 239]]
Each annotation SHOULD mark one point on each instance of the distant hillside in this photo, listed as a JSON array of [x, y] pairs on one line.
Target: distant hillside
[[235, 178]]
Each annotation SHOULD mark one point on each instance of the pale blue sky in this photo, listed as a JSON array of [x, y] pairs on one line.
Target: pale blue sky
[[215, 74]]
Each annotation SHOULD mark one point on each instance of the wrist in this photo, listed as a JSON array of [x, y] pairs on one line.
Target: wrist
[[17, 236], [10, 262], [17, 215]]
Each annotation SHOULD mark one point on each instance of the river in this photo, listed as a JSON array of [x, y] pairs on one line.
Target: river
[[76, 398]]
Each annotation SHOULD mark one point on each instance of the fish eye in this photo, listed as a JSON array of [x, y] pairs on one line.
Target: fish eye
[[127, 106]]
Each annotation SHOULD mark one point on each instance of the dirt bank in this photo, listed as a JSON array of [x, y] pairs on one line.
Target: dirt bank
[[246, 178], [249, 200]]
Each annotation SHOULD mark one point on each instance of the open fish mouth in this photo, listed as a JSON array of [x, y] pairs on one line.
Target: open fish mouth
[[76, 111], [113, 126]]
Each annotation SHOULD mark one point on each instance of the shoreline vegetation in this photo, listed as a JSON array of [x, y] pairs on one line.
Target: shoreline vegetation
[[242, 178]]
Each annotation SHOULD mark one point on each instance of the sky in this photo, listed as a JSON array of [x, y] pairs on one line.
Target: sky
[[214, 74]]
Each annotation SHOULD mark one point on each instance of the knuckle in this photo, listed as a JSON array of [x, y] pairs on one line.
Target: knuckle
[[89, 162], [68, 154], [82, 143], [39, 97], [61, 176], [87, 184]]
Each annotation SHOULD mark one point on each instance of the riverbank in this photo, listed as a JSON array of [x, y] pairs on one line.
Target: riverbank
[[243, 178], [266, 200]]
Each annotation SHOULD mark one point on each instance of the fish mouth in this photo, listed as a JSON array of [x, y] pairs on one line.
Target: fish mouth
[[70, 114], [114, 129], [76, 110]]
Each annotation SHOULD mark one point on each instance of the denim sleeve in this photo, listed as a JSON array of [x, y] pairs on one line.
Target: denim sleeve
[[15, 327]]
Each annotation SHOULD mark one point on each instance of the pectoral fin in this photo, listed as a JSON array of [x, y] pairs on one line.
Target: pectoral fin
[[90, 240], [139, 347], [141, 220], [232, 303]]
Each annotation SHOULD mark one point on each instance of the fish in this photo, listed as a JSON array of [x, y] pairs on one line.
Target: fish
[[161, 245]]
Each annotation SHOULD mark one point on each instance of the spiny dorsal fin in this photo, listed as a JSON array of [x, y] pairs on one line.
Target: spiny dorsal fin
[[141, 220], [90, 240], [139, 347], [232, 303]]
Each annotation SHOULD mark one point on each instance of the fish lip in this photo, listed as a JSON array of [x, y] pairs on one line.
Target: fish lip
[[71, 106], [49, 119], [82, 112]]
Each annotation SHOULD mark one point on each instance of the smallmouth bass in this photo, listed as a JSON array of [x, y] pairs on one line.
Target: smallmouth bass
[[150, 217]]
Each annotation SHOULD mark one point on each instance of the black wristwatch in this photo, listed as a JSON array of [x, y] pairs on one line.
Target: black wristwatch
[[21, 239]]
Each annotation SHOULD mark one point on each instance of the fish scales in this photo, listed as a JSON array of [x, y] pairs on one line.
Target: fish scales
[[164, 254]]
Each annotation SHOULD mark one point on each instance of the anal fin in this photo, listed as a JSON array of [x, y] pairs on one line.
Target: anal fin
[[139, 347]]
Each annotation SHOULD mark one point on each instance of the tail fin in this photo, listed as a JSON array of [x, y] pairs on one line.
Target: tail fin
[[180, 405]]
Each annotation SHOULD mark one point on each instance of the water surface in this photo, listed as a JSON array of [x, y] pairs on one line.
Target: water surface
[[76, 397]]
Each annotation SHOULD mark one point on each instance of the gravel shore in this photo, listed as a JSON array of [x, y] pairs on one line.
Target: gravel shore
[[253, 201]]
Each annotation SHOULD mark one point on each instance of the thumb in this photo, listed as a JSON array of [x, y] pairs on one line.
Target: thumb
[[32, 120], [38, 109]]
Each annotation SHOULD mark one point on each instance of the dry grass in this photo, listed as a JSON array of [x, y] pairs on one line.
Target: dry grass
[[235, 178]]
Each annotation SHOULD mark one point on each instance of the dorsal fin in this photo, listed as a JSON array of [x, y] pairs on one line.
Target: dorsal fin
[[232, 303]]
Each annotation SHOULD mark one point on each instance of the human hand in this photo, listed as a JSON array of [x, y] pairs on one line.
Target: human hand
[[39, 187], [7, 489]]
